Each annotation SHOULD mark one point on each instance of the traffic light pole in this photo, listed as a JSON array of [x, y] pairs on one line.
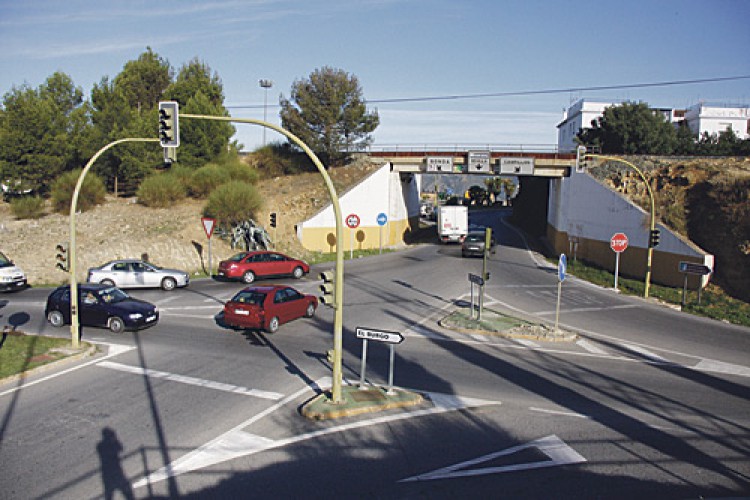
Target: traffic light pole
[[652, 226], [74, 323], [339, 285]]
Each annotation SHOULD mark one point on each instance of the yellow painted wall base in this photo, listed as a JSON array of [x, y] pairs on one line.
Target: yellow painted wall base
[[323, 239]]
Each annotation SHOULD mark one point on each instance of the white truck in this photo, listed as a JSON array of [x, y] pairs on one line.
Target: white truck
[[11, 276], [452, 223]]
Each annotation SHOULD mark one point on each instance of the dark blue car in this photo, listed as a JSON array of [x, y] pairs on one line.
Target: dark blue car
[[101, 305]]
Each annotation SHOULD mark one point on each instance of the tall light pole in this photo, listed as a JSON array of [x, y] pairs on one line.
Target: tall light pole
[[265, 84]]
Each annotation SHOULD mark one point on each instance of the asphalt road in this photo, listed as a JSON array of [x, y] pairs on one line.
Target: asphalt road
[[647, 402]]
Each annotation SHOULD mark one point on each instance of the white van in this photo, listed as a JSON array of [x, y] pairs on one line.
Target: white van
[[11, 276]]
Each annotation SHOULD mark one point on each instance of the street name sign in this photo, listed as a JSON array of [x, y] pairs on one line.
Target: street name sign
[[379, 335], [693, 268], [478, 161], [476, 279], [517, 166], [439, 164]]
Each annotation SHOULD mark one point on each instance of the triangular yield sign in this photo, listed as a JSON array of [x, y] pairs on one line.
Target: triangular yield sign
[[552, 446]]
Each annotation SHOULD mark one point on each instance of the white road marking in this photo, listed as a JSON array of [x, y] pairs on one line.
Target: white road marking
[[209, 384], [710, 365], [646, 353], [236, 443], [556, 450], [587, 309], [114, 350], [527, 343], [558, 412], [588, 346]]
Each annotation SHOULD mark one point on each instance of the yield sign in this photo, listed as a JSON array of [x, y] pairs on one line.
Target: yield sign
[[557, 452], [208, 226]]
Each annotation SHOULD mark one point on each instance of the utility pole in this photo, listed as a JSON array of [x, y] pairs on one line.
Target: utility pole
[[265, 84]]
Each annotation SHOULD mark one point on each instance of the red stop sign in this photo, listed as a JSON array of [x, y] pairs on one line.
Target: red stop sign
[[618, 242]]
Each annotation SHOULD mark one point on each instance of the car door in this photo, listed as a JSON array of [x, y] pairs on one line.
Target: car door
[[294, 303], [121, 274], [259, 263], [281, 307], [92, 310], [139, 275], [278, 264]]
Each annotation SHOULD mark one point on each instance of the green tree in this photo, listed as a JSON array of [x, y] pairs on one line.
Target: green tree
[[144, 80], [630, 128], [43, 132], [328, 113], [685, 140]]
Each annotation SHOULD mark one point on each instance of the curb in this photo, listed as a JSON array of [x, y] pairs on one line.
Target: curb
[[91, 351], [376, 399]]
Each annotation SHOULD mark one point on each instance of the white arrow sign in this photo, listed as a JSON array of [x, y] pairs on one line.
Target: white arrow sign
[[380, 336], [558, 452]]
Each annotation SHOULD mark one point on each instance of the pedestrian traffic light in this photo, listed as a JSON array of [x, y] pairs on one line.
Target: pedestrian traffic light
[[653, 238], [169, 129], [328, 287], [62, 256], [273, 219], [581, 159]]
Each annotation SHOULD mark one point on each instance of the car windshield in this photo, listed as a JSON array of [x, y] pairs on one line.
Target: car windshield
[[112, 295], [4, 261], [238, 257], [249, 297]]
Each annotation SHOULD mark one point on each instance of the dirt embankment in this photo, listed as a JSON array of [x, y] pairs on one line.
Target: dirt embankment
[[173, 237], [704, 200]]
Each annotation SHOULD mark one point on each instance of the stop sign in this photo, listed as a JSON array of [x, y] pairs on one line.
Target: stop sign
[[618, 242]]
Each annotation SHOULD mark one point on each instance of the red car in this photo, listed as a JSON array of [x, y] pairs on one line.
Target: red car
[[267, 307], [249, 265]]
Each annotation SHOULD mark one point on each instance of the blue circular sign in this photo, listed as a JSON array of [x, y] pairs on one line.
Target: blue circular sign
[[382, 219], [562, 265]]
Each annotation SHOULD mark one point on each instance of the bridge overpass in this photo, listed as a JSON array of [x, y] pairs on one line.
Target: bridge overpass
[[475, 161]]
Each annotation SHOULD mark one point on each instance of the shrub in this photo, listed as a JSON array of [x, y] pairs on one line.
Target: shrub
[[161, 190], [239, 171], [206, 179], [92, 192], [27, 207], [232, 203]]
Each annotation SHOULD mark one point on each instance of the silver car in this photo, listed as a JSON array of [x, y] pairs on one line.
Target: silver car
[[133, 273]]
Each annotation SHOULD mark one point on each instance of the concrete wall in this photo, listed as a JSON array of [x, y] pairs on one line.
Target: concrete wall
[[584, 214], [391, 193]]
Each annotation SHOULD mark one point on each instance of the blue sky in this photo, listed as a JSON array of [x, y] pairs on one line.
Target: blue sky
[[402, 49]]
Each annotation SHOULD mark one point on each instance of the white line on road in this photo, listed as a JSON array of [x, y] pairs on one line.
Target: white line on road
[[646, 353], [209, 384], [710, 365], [558, 412], [586, 309], [585, 344], [527, 343]]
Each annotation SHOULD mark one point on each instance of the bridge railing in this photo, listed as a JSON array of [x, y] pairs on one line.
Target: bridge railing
[[463, 148]]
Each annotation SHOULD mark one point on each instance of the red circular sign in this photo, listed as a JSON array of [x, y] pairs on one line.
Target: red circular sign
[[618, 242], [352, 221]]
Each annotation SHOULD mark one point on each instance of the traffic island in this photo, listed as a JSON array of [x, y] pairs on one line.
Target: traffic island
[[495, 323], [356, 401]]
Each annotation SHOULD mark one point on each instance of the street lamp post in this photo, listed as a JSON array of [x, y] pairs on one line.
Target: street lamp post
[[265, 84]]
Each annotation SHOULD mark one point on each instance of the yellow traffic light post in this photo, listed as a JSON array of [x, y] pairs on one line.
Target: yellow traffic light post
[[653, 241], [339, 280], [71, 261]]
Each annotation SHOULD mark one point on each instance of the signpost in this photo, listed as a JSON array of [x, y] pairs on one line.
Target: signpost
[[391, 338], [562, 266], [618, 243], [208, 226], [478, 161], [692, 268], [474, 280], [382, 220], [352, 222]]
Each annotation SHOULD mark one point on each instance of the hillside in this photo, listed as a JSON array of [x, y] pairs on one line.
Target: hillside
[[704, 200], [172, 237]]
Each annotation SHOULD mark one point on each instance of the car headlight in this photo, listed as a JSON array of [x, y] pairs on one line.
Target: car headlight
[[135, 316]]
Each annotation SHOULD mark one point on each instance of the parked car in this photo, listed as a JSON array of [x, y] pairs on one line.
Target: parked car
[[132, 273], [101, 305], [473, 244], [249, 265], [267, 307], [11, 276]]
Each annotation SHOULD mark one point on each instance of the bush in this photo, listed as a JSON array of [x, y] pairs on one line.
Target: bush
[[92, 192], [206, 179], [27, 207], [232, 203], [239, 171], [161, 190]]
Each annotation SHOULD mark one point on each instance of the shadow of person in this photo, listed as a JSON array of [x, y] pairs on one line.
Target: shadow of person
[[113, 477]]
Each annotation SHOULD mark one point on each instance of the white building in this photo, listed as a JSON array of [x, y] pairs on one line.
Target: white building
[[700, 118]]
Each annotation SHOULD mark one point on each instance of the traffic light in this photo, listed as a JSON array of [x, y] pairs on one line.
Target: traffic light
[[328, 287], [273, 219], [62, 256], [330, 355], [169, 129], [653, 238], [581, 159]]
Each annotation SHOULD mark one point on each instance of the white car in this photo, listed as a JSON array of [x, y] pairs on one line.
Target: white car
[[133, 273], [11, 276]]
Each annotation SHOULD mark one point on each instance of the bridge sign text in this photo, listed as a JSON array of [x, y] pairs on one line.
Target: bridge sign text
[[439, 164]]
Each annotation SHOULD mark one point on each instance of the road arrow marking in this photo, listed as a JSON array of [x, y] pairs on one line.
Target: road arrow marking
[[558, 452], [237, 443]]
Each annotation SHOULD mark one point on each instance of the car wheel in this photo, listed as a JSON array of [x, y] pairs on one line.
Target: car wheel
[[310, 311], [298, 272], [116, 324], [55, 318], [168, 284], [248, 277], [107, 282], [273, 325]]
